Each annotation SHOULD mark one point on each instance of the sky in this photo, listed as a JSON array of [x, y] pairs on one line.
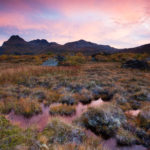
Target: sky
[[119, 23]]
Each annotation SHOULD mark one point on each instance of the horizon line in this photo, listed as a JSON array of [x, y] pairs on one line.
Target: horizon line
[[1, 43]]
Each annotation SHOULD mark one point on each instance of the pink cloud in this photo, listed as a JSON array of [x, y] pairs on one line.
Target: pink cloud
[[96, 20]]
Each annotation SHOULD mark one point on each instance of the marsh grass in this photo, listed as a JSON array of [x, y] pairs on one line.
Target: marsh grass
[[24, 86], [22, 73], [23, 106], [27, 107], [62, 109]]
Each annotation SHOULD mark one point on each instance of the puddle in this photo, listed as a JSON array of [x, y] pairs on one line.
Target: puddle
[[41, 120], [133, 113]]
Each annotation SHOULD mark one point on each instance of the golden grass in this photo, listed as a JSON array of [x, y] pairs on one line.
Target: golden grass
[[62, 109], [21, 73]]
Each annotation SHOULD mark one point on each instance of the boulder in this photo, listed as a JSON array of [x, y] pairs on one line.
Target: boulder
[[51, 62], [136, 64]]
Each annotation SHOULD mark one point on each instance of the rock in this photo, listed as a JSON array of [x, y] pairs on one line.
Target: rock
[[51, 62], [135, 64], [104, 120]]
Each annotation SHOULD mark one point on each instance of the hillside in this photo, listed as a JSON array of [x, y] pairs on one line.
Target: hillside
[[141, 49]]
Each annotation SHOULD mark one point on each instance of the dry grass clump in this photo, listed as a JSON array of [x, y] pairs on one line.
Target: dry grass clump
[[62, 109], [68, 98], [27, 107], [23, 106], [143, 119], [85, 96], [53, 96], [6, 105], [75, 60]]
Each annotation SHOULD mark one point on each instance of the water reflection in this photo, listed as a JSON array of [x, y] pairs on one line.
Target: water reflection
[[111, 144], [41, 120]]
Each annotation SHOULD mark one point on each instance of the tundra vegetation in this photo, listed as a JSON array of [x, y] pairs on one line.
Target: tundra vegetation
[[27, 87]]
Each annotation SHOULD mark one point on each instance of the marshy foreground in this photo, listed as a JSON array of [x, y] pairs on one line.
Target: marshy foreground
[[97, 105]]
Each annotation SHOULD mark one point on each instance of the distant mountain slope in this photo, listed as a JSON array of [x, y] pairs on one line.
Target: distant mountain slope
[[17, 45], [141, 49]]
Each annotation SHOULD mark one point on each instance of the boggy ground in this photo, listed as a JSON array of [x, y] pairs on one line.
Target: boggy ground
[[25, 88]]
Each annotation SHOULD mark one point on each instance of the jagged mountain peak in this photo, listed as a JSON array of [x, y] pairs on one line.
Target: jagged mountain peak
[[15, 38]]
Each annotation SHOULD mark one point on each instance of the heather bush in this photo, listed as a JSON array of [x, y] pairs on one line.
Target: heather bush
[[105, 119]]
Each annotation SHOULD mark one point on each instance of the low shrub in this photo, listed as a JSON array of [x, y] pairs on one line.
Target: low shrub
[[75, 60], [125, 137], [103, 120], [11, 136], [60, 132]]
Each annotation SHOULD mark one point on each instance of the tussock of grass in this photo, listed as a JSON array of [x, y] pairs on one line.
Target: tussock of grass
[[27, 107], [23, 106], [53, 96], [85, 96], [62, 109]]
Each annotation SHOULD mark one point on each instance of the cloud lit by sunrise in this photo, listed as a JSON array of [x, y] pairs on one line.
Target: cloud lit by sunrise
[[119, 23]]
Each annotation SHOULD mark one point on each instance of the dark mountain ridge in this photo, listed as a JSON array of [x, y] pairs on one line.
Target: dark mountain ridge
[[17, 45], [140, 49]]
